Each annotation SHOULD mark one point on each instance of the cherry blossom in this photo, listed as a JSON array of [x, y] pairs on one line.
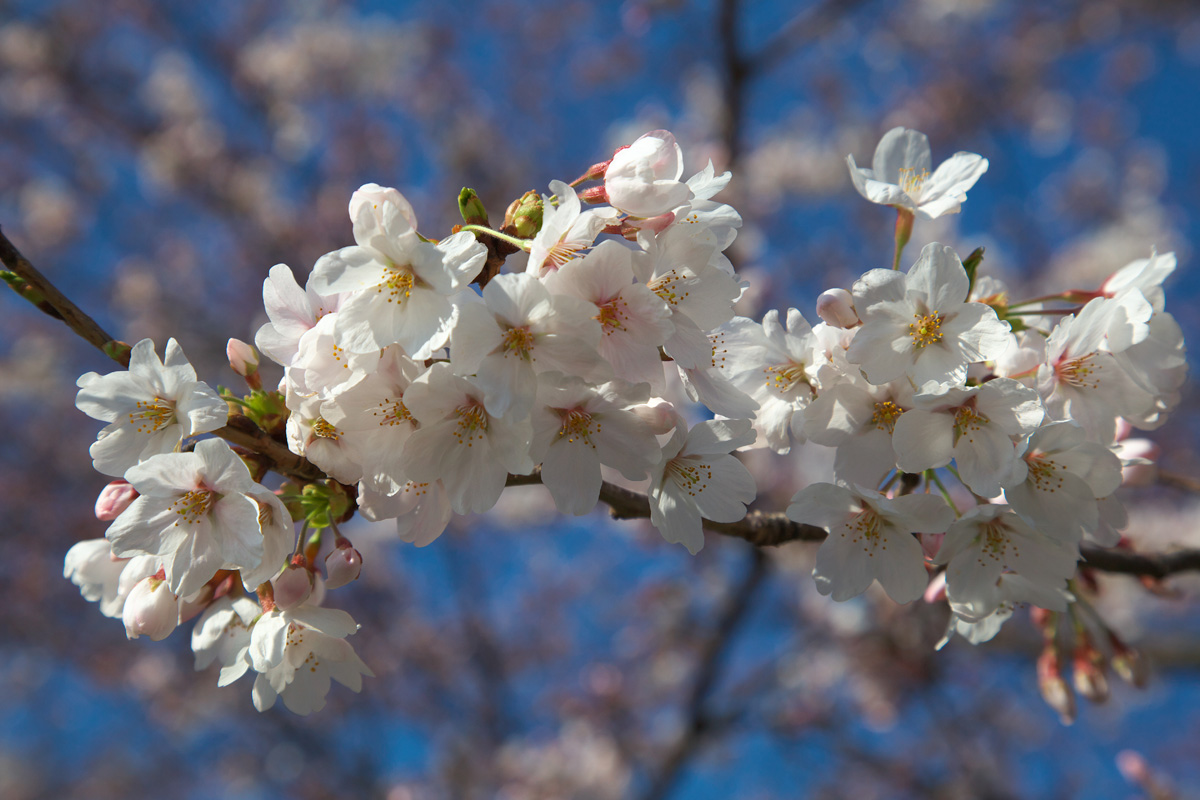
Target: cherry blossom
[[899, 175], [151, 407]]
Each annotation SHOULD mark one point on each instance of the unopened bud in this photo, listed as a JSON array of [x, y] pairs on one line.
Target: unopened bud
[[150, 609], [1054, 688], [1088, 673], [471, 207], [659, 414], [595, 195], [244, 360], [836, 307], [1128, 663], [342, 566], [294, 584], [114, 499], [524, 215], [596, 171]]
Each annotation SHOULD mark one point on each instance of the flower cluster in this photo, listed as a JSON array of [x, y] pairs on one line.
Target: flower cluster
[[419, 379]]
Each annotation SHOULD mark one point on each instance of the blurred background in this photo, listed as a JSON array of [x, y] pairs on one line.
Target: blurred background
[[157, 157]]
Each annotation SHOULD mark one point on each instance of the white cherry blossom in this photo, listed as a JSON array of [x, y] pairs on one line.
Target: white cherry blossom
[[920, 324], [566, 232], [151, 407], [578, 427], [402, 284], [870, 538], [899, 175], [520, 331], [200, 512], [460, 443], [698, 479]]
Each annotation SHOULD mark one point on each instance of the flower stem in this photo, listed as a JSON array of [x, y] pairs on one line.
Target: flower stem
[[513, 240], [904, 226], [932, 476]]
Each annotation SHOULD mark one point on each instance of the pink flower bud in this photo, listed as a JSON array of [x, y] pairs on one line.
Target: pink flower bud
[[114, 499], [836, 307], [935, 592], [342, 565], [242, 357], [659, 414], [293, 586], [1054, 688], [150, 610]]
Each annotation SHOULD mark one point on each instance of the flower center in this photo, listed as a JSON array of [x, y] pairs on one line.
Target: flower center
[[1043, 472], [561, 252], [966, 421], [667, 287], [912, 181], [1079, 372], [323, 430], [517, 342], [996, 542], [194, 505], [785, 377], [472, 423], [397, 284], [612, 316], [391, 412], [151, 416], [885, 416], [926, 330], [577, 424], [866, 527], [691, 476]]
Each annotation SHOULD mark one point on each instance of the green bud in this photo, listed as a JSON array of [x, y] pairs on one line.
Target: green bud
[[471, 208], [524, 215]]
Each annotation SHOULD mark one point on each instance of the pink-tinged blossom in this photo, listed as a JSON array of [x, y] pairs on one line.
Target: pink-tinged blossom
[[150, 610], [421, 510], [634, 321], [523, 330], [698, 479], [200, 512], [990, 540], [293, 313], [899, 175], [919, 324], [859, 420], [677, 268], [870, 538], [566, 232], [326, 445], [1066, 474], [1082, 379], [372, 420], [642, 180], [298, 653], [577, 427], [151, 407], [460, 443], [974, 426], [836, 307], [770, 363], [402, 284]]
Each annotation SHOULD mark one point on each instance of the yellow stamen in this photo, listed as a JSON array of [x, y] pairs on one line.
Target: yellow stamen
[[926, 330], [885, 416]]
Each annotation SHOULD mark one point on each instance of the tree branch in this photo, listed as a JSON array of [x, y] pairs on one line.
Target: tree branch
[[239, 431]]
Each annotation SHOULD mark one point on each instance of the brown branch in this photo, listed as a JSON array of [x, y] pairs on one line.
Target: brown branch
[[773, 529], [239, 431]]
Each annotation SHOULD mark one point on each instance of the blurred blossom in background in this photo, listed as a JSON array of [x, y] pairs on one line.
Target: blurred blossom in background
[[159, 156]]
